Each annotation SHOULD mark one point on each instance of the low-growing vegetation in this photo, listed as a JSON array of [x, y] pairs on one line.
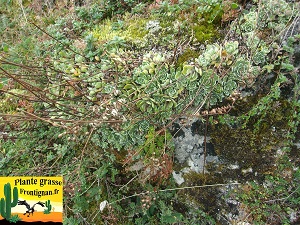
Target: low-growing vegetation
[[90, 89]]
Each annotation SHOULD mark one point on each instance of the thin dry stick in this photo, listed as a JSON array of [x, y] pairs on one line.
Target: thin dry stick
[[164, 190], [174, 189], [85, 145], [284, 198], [129, 182], [205, 150], [88, 187], [58, 158], [40, 118]]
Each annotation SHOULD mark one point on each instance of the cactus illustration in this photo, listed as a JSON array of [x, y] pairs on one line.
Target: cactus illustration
[[6, 204], [49, 207]]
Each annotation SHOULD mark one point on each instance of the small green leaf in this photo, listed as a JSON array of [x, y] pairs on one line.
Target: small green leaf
[[141, 105], [98, 85], [178, 75], [169, 105], [5, 48], [193, 76], [128, 86], [234, 5], [269, 67], [287, 66], [187, 69], [151, 210]]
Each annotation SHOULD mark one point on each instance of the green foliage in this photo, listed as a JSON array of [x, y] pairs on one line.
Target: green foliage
[[91, 98], [270, 116], [154, 144], [211, 10], [95, 13], [279, 196], [272, 15], [150, 87], [167, 215]]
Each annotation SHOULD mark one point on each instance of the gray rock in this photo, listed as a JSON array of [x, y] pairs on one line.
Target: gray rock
[[189, 148], [178, 177]]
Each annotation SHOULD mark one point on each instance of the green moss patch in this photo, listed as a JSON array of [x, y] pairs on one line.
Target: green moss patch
[[254, 146], [205, 32], [186, 56]]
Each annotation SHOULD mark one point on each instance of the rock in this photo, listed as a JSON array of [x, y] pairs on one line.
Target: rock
[[189, 146], [178, 177]]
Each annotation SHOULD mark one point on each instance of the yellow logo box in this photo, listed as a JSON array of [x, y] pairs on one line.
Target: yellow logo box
[[31, 199]]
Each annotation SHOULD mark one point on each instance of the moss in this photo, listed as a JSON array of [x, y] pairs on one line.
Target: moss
[[104, 32], [187, 55], [205, 32], [205, 198], [167, 23], [135, 28], [205, 28], [254, 146], [242, 106], [240, 145]]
